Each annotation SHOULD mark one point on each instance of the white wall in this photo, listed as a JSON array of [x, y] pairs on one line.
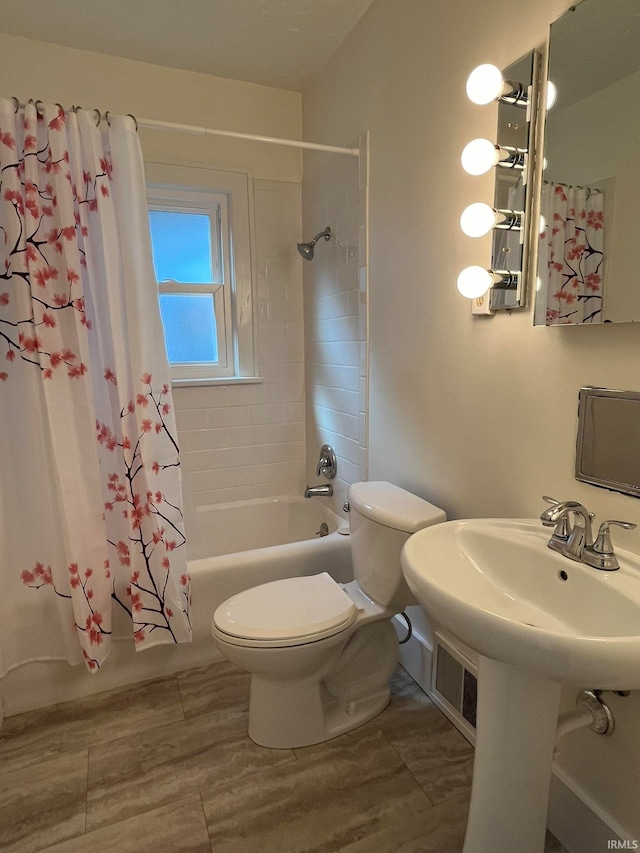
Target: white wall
[[237, 441], [477, 415]]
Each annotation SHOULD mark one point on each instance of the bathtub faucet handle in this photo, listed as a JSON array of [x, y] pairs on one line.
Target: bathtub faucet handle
[[327, 463]]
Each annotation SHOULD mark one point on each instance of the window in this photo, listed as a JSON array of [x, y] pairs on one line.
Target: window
[[199, 222]]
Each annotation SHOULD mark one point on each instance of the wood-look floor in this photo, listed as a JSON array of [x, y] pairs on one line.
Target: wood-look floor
[[168, 766]]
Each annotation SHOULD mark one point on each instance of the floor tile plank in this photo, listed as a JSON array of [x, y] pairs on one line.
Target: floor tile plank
[[35, 736], [144, 771], [219, 687], [175, 828], [43, 803], [333, 794]]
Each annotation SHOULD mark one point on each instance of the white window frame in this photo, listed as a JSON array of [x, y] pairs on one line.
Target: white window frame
[[226, 198]]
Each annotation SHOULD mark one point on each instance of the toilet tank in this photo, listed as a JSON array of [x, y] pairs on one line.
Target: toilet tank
[[381, 518]]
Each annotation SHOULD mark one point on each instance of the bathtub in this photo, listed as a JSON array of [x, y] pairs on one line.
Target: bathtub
[[247, 543], [231, 547]]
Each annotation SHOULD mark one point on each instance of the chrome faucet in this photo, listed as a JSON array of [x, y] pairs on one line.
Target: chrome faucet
[[323, 491], [569, 540], [576, 541]]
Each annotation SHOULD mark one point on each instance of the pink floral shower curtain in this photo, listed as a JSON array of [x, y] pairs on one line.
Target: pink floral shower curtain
[[571, 254], [92, 540]]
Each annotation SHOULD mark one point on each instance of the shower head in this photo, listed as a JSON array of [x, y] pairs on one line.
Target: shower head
[[307, 249]]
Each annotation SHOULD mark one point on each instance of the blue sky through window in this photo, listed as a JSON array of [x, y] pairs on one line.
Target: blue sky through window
[[181, 245], [189, 327]]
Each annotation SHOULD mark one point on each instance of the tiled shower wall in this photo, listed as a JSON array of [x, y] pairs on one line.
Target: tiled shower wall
[[335, 293], [241, 441]]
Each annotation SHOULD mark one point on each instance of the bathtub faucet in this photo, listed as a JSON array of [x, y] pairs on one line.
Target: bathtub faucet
[[323, 491]]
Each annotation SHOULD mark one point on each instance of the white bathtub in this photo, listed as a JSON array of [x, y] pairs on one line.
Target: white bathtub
[[231, 547], [252, 525], [256, 541]]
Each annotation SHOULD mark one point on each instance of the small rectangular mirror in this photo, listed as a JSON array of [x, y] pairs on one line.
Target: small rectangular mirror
[[607, 449]]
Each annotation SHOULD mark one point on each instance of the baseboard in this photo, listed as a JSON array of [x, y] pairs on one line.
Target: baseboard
[[574, 818], [415, 656], [577, 821], [41, 684]]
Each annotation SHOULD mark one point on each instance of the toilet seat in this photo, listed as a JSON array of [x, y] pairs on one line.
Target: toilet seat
[[287, 612]]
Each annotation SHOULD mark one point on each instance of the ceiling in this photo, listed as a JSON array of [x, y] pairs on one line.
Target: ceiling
[[280, 43]]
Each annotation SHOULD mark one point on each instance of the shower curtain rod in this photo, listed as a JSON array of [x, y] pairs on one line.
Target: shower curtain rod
[[194, 130]]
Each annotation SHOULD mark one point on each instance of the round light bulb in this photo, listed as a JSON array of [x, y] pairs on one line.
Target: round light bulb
[[485, 84], [478, 219], [474, 282], [479, 156], [552, 94]]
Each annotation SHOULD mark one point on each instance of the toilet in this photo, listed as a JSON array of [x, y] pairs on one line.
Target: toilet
[[321, 653]]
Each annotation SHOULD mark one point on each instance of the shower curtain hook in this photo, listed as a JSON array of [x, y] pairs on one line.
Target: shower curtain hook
[[135, 120]]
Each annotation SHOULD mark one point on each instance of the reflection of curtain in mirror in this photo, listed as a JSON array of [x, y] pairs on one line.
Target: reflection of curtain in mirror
[[571, 253]]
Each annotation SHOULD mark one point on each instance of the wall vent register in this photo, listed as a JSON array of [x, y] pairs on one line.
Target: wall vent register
[[454, 686]]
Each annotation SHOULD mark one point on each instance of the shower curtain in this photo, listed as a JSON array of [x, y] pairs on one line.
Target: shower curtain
[[571, 254], [92, 540]]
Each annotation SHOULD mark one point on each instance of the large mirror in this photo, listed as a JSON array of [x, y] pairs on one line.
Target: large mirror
[[588, 270]]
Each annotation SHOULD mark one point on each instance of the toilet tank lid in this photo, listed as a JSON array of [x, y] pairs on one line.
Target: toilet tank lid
[[393, 507]]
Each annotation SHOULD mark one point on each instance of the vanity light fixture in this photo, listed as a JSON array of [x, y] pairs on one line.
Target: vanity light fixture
[[486, 84], [474, 281], [481, 155], [552, 94], [479, 218]]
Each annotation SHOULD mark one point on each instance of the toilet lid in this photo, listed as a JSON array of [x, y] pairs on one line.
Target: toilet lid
[[291, 609]]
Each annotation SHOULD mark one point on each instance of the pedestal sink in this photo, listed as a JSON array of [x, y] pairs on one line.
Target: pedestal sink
[[537, 621]]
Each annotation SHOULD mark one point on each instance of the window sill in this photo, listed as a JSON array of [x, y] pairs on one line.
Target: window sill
[[218, 380]]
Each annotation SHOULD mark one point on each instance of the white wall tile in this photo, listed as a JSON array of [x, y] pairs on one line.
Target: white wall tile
[[335, 316]]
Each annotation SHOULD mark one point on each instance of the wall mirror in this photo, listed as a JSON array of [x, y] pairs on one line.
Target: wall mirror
[[587, 266], [608, 437]]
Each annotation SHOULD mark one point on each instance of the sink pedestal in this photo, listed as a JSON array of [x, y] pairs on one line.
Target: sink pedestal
[[517, 717]]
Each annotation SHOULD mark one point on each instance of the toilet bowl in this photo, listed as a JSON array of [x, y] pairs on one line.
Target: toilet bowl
[[321, 653]]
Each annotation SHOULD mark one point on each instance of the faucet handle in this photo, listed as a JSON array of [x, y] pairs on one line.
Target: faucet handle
[[327, 463], [603, 544], [549, 500], [563, 526]]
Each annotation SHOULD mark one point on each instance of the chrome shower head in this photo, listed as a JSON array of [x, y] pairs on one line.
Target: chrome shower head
[[307, 250]]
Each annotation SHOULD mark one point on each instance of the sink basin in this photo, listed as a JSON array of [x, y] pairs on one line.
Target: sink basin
[[537, 620], [495, 585]]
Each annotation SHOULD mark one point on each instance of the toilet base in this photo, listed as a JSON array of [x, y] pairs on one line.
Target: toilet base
[[301, 695], [294, 718]]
